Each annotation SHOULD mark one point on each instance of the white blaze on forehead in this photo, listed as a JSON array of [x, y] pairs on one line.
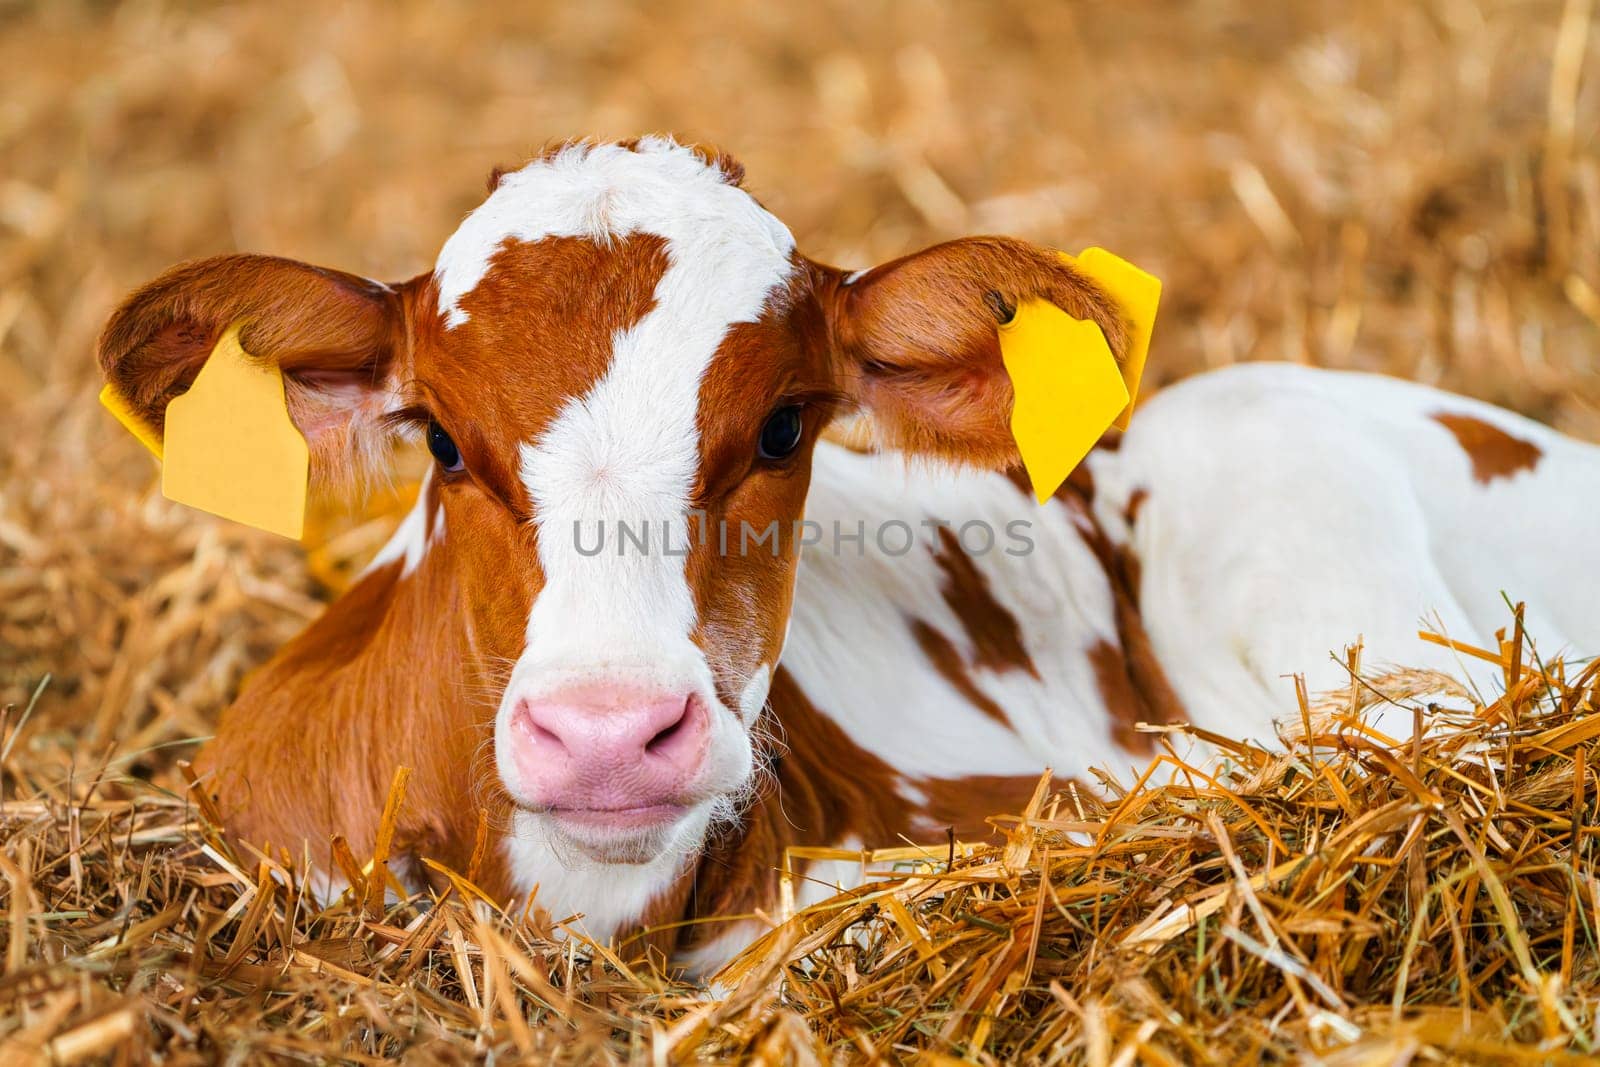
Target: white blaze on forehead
[[606, 191], [626, 451]]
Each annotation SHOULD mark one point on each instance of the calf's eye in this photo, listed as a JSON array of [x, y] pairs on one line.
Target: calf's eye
[[781, 435], [444, 450]]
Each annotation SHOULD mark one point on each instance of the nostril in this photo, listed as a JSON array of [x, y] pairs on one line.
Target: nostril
[[665, 739], [537, 732]]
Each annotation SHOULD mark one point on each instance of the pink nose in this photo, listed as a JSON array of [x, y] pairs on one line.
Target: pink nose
[[608, 748]]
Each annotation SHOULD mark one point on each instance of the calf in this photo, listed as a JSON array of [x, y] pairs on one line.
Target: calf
[[623, 368]]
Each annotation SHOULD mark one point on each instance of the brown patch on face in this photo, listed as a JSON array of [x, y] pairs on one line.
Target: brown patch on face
[[779, 359], [946, 659], [995, 635], [1493, 452], [532, 341]]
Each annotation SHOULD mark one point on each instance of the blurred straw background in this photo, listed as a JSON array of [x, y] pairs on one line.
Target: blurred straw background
[[1411, 188]]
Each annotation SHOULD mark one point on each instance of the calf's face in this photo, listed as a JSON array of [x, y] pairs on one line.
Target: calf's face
[[631, 363], [621, 366]]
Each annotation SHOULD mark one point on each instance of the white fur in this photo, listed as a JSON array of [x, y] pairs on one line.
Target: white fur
[[890, 700], [1366, 522], [627, 451], [1289, 512], [754, 696], [1328, 506], [606, 896], [410, 540]]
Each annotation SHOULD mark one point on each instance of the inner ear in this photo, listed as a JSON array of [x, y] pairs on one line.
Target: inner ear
[[320, 400], [344, 414]]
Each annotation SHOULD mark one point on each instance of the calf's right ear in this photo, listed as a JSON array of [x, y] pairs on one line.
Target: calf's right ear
[[340, 341]]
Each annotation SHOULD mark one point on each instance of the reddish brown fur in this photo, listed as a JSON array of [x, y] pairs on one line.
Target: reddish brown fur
[[1133, 684], [779, 359], [1493, 452], [995, 635], [965, 804], [824, 789], [1136, 499], [284, 776], [530, 343], [944, 657], [323, 328]]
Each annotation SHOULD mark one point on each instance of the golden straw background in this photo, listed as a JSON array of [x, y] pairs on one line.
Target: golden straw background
[[1407, 188]]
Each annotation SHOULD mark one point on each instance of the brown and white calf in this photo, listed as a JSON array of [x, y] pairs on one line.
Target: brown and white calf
[[620, 334]]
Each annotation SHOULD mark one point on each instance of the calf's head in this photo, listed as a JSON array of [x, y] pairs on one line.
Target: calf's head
[[621, 365]]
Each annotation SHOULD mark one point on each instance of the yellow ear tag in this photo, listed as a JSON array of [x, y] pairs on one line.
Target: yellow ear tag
[[1137, 293], [231, 448], [112, 401], [1068, 390]]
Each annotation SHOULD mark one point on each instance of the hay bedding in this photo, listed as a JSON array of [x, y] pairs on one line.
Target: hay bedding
[[1411, 188], [1351, 897]]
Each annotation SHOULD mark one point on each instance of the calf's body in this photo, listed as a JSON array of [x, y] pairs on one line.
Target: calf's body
[[621, 335], [1250, 524]]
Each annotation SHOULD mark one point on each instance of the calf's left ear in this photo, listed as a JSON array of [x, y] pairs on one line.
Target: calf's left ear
[[339, 341], [917, 340], [252, 375]]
